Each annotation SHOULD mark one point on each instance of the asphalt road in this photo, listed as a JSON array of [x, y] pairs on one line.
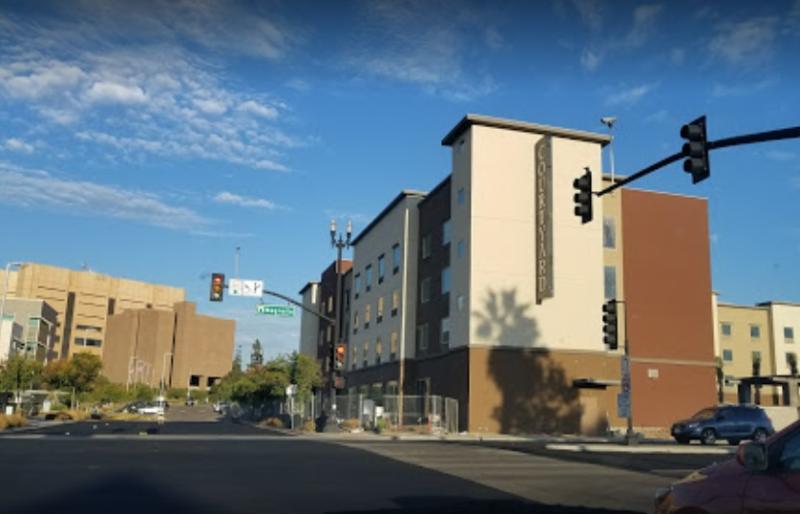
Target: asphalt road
[[218, 467]]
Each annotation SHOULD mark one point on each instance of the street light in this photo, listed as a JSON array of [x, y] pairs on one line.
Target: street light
[[609, 122], [341, 243], [13, 264]]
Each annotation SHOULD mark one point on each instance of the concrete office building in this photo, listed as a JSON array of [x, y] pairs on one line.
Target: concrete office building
[[177, 345], [500, 290], [38, 322], [11, 338], [83, 301], [757, 341]]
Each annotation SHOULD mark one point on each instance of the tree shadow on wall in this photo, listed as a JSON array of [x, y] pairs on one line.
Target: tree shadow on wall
[[537, 396]]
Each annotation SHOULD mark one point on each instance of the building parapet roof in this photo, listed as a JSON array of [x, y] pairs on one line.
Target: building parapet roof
[[521, 126]]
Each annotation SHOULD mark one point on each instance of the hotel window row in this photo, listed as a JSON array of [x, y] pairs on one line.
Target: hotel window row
[[380, 309], [378, 358], [396, 258]]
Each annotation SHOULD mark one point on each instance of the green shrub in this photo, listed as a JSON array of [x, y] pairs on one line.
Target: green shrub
[[309, 426], [12, 421], [176, 393], [381, 425]]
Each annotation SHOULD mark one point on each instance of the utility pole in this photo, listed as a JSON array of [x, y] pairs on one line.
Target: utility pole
[[340, 244]]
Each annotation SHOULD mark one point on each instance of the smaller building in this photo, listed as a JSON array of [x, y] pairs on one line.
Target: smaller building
[[177, 347], [10, 338], [38, 322]]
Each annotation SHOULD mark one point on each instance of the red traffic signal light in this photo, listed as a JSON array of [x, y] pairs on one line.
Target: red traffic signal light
[[339, 356], [217, 287]]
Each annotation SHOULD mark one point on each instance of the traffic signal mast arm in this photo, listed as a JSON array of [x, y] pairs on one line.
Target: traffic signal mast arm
[[298, 304], [759, 137]]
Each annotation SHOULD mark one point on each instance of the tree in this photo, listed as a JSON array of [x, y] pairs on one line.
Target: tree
[[79, 374], [19, 373], [306, 373], [256, 354]]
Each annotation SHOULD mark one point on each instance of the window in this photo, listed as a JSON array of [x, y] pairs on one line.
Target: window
[[379, 314], [395, 259], [756, 363], [460, 196], [756, 357], [391, 388], [365, 356], [367, 315], [446, 280], [393, 346], [395, 302], [791, 361], [357, 283], [446, 233], [727, 355], [725, 328], [788, 334], [610, 282], [426, 246], [354, 357], [85, 341], [368, 277], [381, 268], [321, 339], [355, 322], [609, 233], [425, 290], [329, 333], [378, 351], [461, 302], [330, 304], [112, 305], [460, 250], [422, 338], [445, 338], [755, 332], [194, 381]]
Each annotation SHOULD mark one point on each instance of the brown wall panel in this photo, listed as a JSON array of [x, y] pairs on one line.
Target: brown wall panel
[[678, 392]]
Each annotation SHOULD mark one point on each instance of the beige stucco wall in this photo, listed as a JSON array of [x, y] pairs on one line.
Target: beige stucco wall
[[397, 226], [92, 292], [502, 246], [784, 315], [612, 209], [741, 344], [309, 323], [203, 345]]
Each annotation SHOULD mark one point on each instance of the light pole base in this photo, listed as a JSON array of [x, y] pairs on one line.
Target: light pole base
[[631, 438]]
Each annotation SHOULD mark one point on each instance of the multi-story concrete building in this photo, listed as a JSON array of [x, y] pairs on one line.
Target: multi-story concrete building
[[757, 341], [178, 346], [383, 299], [11, 338], [83, 301], [38, 321], [500, 289], [309, 323]]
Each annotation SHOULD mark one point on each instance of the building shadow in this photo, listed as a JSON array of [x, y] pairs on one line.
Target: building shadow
[[120, 494], [462, 505], [537, 395]]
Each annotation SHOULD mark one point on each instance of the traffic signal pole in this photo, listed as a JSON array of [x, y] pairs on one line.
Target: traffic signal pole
[[747, 139]]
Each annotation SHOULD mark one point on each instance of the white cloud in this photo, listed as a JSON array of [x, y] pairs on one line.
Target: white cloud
[[253, 107], [420, 43], [298, 85], [726, 90], [43, 77], [590, 60], [244, 201], [590, 12], [209, 106], [111, 92], [745, 43], [18, 145], [659, 116], [37, 189], [167, 102], [629, 96], [644, 19], [780, 155]]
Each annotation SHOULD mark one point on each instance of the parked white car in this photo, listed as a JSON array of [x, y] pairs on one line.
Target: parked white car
[[154, 409]]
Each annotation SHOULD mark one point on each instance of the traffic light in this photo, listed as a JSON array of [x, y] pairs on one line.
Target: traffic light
[[339, 356], [610, 324], [583, 196], [217, 287], [696, 149]]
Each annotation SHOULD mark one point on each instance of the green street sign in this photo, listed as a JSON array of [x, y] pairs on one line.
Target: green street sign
[[285, 311]]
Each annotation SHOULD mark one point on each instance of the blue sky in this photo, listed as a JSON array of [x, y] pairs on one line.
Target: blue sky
[[149, 139]]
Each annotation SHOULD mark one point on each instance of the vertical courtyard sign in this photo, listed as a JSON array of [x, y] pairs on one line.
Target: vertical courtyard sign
[[544, 218]]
